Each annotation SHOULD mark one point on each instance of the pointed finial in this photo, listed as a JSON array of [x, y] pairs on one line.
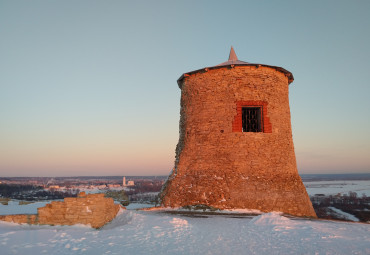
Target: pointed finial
[[232, 55]]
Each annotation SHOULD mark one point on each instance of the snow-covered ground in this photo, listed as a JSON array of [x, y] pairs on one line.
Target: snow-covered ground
[[155, 232], [335, 187], [13, 207], [143, 232]]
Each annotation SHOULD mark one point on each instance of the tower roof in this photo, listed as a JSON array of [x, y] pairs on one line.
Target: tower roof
[[232, 55], [234, 61]]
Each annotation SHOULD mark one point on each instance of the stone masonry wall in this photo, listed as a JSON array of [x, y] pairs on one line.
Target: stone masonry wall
[[93, 209], [217, 164]]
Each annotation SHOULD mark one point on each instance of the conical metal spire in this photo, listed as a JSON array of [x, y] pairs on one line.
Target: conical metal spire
[[233, 59], [232, 55]]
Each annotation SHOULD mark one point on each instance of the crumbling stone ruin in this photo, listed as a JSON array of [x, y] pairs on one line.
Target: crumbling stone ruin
[[235, 148], [93, 209]]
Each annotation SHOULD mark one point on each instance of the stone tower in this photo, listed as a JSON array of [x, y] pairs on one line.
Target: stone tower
[[235, 148]]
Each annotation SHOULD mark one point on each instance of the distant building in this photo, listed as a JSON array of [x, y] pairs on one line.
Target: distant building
[[128, 183]]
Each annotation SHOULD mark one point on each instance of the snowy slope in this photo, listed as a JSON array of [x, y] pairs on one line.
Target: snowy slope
[[344, 214], [143, 232]]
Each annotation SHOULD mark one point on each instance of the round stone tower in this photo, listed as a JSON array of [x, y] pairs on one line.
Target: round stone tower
[[235, 148]]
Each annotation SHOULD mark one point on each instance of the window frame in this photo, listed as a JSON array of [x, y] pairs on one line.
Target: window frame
[[266, 126], [260, 124]]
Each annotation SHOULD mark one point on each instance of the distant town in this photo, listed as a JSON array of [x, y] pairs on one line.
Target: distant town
[[84, 182], [137, 188]]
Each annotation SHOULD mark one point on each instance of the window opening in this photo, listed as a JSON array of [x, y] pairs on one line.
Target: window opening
[[251, 119]]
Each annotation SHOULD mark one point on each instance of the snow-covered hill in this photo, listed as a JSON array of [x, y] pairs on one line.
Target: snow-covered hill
[[333, 187], [142, 232]]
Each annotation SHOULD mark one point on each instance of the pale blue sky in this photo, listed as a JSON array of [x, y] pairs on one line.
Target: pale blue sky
[[89, 87]]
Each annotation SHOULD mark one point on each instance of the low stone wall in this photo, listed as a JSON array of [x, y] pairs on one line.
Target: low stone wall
[[93, 209], [20, 218]]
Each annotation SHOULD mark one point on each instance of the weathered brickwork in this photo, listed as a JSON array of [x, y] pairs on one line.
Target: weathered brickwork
[[93, 209], [219, 165]]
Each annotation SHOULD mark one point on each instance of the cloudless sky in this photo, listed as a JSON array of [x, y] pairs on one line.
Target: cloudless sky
[[89, 87]]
